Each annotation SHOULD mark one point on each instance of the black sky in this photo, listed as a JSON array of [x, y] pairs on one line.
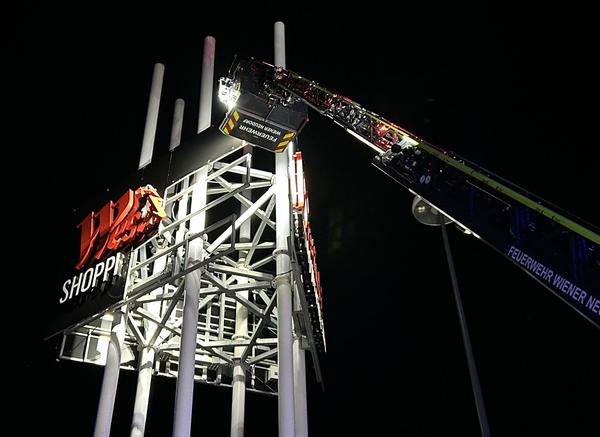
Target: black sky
[[510, 89]]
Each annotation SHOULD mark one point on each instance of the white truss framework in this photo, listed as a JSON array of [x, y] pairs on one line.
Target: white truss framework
[[159, 268]]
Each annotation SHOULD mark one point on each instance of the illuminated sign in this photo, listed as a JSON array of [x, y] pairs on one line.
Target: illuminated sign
[[119, 224], [306, 251], [298, 184], [106, 236], [94, 278]]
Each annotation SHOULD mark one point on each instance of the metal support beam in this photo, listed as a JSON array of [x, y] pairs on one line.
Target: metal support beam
[[259, 232], [259, 328], [142, 392], [283, 284], [263, 356], [184, 395], [300, 407], [238, 389], [479, 404], [246, 200], [177, 125], [206, 84], [245, 216], [151, 116], [110, 380], [146, 360], [260, 276]]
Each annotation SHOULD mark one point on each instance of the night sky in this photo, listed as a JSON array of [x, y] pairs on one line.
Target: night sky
[[509, 89]]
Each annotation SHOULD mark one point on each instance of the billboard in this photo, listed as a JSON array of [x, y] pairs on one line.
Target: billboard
[[103, 229]]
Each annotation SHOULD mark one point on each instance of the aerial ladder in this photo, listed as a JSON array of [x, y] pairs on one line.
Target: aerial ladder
[[267, 107]]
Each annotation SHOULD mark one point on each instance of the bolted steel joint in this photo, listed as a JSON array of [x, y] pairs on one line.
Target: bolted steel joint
[[278, 252], [283, 279]]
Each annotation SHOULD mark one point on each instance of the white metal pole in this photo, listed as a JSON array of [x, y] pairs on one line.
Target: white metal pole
[[300, 406], [110, 379], [476, 386], [177, 125], [282, 281], [184, 395], [146, 360], [206, 84], [238, 397], [142, 392], [238, 392], [152, 116], [279, 44]]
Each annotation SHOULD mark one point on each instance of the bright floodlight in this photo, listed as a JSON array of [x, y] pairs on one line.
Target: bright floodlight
[[228, 94]]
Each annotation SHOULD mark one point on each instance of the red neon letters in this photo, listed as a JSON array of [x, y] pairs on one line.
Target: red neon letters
[[119, 224]]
